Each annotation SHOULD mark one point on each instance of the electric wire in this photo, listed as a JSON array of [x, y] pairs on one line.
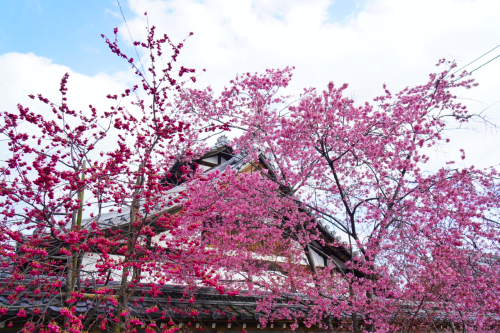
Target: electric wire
[[484, 64], [475, 69], [125, 20], [473, 61]]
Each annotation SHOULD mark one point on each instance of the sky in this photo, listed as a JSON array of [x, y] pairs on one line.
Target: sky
[[364, 43]]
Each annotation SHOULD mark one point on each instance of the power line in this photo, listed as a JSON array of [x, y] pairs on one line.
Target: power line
[[475, 69], [484, 64], [125, 20], [473, 61]]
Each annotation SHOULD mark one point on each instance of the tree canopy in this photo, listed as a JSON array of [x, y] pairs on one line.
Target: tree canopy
[[324, 174]]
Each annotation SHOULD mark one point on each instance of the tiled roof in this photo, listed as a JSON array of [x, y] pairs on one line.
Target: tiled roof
[[172, 303]]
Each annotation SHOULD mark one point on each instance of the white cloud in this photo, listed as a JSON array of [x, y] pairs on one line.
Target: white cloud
[[25, 74]]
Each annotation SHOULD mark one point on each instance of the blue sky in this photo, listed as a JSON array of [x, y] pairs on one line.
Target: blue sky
[[341, 10], [66, 31]]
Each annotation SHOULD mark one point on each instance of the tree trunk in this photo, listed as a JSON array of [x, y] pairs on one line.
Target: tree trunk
[[355, 323], [329, 323]]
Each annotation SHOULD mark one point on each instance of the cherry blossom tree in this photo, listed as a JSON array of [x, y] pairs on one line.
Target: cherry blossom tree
[[65, 164], [423, 243]]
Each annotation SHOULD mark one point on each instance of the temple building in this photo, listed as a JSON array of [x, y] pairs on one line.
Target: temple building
[[210, 310]]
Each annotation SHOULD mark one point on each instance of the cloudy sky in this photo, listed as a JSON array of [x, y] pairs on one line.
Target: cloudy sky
[[361, 42]]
